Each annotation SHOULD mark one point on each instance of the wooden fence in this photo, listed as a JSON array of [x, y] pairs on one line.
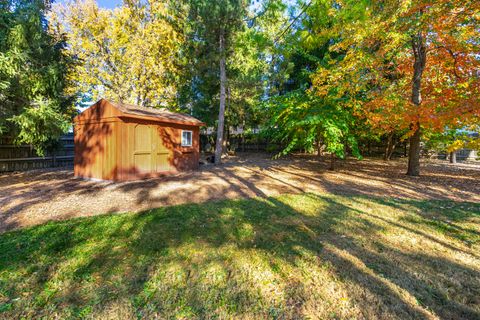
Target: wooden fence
[[22, 158], [462, 155]]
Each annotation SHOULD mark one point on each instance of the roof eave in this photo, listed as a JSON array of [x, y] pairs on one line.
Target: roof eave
[[160, 119]]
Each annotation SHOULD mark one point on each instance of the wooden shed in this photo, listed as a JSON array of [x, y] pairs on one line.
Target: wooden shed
[[116, 141]]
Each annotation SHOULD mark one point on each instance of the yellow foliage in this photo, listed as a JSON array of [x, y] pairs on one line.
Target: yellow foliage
[[125, 54], [473, 143], [456, 145]]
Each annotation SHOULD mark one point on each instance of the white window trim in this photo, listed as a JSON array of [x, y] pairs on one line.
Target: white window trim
[[191, 138]]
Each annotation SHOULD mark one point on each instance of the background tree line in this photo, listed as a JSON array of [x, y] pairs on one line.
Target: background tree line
[[319, 75]]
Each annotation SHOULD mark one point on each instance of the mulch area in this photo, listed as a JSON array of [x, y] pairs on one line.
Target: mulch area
[[35, 197]]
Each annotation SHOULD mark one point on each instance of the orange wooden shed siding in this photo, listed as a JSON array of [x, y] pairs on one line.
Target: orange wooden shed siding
[[111, 144]]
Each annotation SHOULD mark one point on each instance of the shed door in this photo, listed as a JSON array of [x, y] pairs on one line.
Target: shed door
[[161, 155], [151, 154], [142, 154]]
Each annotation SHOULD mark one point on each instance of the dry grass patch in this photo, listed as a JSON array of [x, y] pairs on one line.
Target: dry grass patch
[[36, 197], [289, 257]]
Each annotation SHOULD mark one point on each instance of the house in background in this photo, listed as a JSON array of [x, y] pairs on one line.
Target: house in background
[[116, 141]]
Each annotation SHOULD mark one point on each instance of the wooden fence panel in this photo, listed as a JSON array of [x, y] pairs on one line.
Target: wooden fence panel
[[23, 158]]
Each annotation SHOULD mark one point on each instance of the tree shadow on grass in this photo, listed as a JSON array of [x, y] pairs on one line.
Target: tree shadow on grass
[[200, 260], [440, 216], [31, 198]]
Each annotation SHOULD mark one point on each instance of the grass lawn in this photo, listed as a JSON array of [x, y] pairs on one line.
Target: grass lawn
[[292, 256]]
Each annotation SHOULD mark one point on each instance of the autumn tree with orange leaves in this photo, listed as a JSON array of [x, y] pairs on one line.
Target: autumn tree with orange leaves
[[407, 65]]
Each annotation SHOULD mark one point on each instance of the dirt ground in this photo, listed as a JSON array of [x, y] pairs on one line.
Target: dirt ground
[[34, 197]]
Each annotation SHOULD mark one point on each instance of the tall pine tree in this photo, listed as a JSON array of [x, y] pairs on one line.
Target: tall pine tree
[[34, 108], [212, 27]]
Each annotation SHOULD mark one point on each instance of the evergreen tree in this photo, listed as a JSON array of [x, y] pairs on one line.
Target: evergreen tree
[[213, 26], [34, 106]]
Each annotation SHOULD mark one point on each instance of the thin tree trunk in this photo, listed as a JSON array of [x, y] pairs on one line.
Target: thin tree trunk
[[332, 161], [243, 135], [319, 145], [226, 128], [420, 55], [453, 157], [388, 147], [221, 111], [226, 124], [392, 149], [226, 143]]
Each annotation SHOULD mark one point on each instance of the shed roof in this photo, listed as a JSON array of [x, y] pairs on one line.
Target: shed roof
[[162, 114], [145, 113]]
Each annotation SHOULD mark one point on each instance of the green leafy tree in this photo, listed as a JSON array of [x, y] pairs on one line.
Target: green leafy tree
[[39, 123], [35, 107], [299, 118], [249, 67]]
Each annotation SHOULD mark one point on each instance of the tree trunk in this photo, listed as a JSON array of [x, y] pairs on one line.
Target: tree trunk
[[453, 157], [226, 143], [221, 111], [414, 154], [243, 135], [226, 124], [420, 55], [388, 149], [332, 161], [319, 145], [392, 149]]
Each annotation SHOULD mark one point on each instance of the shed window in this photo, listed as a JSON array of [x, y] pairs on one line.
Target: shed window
[[186, 138]]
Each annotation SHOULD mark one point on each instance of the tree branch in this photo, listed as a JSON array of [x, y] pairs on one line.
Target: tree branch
[[453, 55], [304, 8]]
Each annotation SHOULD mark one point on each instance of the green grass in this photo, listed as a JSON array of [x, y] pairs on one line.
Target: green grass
[[293, 256]]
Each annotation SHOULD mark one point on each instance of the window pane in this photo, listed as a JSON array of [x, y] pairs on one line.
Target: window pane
[[186, 138]]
